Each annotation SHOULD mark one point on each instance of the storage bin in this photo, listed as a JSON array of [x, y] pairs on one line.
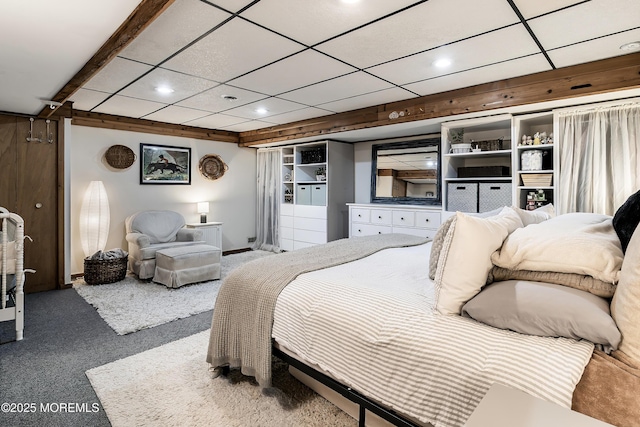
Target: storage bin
[[319, 195], [462, 196], [537, 179], [482, 171], [493, 195], [304, 195], [103, 271], [531, 160]]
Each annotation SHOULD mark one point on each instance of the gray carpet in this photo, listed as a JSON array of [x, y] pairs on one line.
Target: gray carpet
[[64, 337]]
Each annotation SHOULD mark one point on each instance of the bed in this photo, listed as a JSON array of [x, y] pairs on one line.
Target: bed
[[12, 270], [377, 322]]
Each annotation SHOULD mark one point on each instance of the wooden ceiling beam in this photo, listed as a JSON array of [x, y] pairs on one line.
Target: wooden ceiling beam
[[614, 74], [143, 15], [108, 121]]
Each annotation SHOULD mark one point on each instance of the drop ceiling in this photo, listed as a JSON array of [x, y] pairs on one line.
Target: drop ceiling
[[241, 65]]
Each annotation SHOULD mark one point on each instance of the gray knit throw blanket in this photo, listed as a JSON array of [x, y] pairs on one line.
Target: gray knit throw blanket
[[243, 313]]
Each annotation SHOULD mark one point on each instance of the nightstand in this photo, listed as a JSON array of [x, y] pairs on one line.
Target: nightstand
[[211, 232], [507, 407]]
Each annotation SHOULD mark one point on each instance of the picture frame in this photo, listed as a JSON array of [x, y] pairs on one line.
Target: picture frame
[[164, 164]]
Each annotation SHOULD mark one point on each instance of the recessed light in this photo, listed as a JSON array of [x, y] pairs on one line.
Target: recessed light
[[630, 46], [229, 97], [164, 90], [442, 63], [262, 110]]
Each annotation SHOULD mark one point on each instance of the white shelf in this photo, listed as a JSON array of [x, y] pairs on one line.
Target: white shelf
[[538, 171], [536, 147], [481, 178], [496, 153]]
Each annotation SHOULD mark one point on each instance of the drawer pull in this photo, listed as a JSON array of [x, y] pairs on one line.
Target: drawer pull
[[379, 232], [461, 188], [359, 216], [359, 231], [401, 218], [494, 188], [427, 220], [379, 217]]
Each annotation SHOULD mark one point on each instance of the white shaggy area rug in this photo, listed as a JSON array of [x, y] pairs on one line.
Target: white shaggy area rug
[[171, 386], [131, 304]]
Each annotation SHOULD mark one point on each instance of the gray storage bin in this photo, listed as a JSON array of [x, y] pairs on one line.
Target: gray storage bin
[[462, 196], [493, 195], [304, 195], [318, 194]]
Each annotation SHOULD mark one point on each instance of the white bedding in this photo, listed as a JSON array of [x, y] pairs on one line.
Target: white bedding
[[369, 324]]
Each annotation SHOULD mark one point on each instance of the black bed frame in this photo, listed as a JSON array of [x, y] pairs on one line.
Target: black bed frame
[[362, 401]]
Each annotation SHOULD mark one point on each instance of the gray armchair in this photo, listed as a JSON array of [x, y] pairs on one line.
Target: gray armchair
[[150, 231]]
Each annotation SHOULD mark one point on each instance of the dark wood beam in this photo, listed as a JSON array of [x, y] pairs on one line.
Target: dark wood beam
[[608, 75], [143, 15], [108, 121]]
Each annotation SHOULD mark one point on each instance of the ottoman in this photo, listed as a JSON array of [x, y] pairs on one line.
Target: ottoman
[[183, 265]]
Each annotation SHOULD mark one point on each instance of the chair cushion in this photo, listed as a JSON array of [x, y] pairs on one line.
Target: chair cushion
[[185, 257], [160, 226], [150, 251]]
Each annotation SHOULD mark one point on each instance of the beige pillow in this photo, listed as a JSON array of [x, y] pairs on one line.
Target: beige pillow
[[576, 281], [465, 259], [436, 246], [536, 216], [625, 307], [578, 243]]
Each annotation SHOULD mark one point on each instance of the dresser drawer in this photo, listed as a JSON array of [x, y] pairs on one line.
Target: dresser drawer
[[428, 219], [420, 232], [312, 224], [403, 218], [379, 216], [368, 229], [309, 236], [360, 215], [286, 221]]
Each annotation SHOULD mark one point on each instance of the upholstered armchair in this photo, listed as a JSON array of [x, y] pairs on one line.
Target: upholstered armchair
[[150, 231]]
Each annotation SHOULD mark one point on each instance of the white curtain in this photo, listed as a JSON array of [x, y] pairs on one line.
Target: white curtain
[[268, 214], [599, 158]]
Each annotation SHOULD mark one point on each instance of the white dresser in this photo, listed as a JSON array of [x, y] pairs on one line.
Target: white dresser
[[367, 219]]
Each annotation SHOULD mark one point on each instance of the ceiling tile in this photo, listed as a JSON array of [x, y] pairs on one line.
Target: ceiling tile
[[367, 100], [128, 107], [294, 116], [183, 86], [428, 25], [313, 22], [531, 8], [178, 115], [235, 48], [161, 40], [294, 72], [508, 43], [585, 21], [212, 100], [272, 105], [215, 121], [352, 84], [517, 67], [232, 5], [117, 74], [247, 126], [86, 99], [601, 48]]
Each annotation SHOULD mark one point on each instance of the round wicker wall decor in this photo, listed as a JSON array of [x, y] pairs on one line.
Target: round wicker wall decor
[[119, 156], [212, 167]]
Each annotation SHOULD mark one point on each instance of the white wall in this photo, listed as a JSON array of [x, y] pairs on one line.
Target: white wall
[[232, 197]]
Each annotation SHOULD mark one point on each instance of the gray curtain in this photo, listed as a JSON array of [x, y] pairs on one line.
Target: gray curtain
[[268, 214], [599, 158]]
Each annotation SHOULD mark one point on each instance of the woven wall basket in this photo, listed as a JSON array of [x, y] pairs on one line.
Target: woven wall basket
[[119, 156], [212, 167]]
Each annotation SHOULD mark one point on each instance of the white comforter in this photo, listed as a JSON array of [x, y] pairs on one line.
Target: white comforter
[[370, 325]]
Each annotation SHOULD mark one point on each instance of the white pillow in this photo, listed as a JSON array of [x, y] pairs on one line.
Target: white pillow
[[465, 258], [580, 243], [536, 216]]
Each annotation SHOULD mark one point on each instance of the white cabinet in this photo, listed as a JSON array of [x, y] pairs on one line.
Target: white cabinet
[[368, 219], [485, 164], [535, 165], [211, 232], [316, 183]]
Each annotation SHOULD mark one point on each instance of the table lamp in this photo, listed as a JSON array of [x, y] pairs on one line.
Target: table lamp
[[203, 210]]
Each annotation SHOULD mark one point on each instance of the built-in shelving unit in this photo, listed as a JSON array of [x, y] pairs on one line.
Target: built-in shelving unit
[[317, 181]]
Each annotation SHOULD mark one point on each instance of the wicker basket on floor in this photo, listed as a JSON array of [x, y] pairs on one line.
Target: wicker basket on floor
[[103, 271]]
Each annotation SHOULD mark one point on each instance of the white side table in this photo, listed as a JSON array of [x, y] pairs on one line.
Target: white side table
[[211, 232], [507, 407]]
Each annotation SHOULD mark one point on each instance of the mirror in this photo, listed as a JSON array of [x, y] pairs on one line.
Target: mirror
[[406, 172]]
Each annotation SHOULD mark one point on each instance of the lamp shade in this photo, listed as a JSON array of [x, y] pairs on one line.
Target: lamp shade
[[203, 207], [94, 218]]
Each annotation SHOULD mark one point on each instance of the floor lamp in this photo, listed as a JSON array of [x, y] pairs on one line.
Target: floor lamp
[[94, 219]]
